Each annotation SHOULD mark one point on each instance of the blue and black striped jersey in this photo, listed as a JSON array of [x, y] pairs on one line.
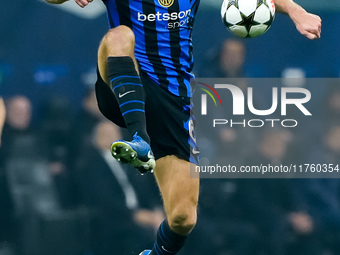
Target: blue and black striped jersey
[[163, 30]]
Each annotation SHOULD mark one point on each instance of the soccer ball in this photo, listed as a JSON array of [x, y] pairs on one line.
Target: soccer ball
[[248, 18]]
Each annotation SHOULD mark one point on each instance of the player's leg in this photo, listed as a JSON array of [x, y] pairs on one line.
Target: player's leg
[[173, 133], [180, 197], [117, 66]]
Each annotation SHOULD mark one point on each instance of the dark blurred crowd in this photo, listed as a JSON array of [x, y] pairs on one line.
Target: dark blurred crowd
[[288, 216], [61, 192]]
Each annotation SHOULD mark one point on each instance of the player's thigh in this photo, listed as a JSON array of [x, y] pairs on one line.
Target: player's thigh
[[179, 188]]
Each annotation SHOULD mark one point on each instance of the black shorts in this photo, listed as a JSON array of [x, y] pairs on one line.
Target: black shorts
[[170, 121]]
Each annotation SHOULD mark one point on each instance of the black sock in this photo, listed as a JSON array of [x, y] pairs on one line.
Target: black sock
[[168, 242], [129, 93]]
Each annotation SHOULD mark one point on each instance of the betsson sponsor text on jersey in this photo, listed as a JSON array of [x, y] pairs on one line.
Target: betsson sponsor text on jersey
[[179, 19]]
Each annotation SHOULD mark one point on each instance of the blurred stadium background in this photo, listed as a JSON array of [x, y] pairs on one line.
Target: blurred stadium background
[[50, 206], [47, 49]]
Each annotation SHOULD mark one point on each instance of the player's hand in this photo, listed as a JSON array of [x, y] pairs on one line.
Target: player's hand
[[83, 3], [307, 24]]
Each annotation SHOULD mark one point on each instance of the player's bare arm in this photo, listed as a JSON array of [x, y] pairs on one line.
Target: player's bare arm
[[307, 24], [81, 3]]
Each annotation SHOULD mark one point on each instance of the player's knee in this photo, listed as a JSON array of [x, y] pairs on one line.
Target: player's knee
[[182, 222], [119, 41]]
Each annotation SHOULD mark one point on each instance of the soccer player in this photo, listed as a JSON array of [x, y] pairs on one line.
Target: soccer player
[[144, 71]]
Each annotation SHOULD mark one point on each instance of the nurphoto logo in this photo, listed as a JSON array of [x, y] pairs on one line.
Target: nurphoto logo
[[242, 102]]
